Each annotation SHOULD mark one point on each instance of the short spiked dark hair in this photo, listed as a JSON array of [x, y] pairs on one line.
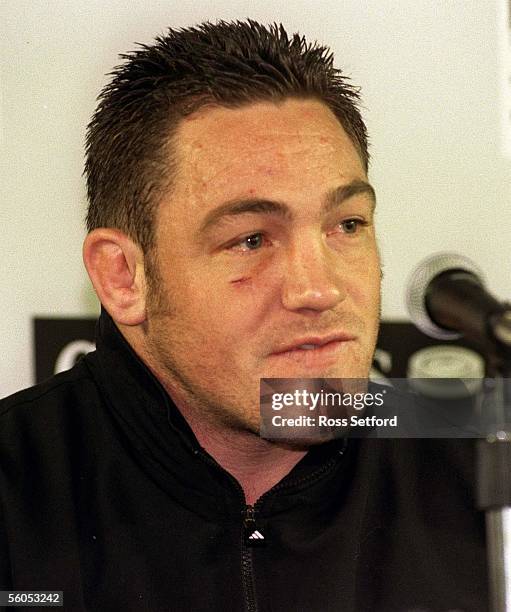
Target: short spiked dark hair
[[129, 145]]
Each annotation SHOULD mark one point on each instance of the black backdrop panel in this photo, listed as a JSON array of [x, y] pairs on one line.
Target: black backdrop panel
[[60, 342], [59, 339]]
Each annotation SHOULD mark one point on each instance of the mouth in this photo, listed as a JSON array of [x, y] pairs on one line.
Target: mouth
[[313, 354]]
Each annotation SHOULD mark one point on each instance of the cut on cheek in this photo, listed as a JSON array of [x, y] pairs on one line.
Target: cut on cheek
[[239, 281]]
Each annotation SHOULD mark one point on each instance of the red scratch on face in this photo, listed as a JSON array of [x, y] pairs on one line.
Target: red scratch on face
[[240, 280]]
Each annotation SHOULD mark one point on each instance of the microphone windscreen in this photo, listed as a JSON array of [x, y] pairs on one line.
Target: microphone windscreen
[[418, 284]]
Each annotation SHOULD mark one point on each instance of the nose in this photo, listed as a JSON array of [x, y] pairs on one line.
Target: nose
[[312, 278]]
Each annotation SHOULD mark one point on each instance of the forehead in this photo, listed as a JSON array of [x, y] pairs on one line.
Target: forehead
[[293, 151], [263, 129]]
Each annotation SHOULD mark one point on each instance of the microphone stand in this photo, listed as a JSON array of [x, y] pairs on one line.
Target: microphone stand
[[494, 487]]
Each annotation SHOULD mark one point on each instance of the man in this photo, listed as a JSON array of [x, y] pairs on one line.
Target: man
[[231, 238]]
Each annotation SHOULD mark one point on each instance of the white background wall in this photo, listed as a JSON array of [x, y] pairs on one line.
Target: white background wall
[[429, 74]]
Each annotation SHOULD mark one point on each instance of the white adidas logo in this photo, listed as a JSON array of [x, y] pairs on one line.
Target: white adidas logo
[[256, 535]]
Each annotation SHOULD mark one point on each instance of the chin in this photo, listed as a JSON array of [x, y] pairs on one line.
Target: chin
[[303, 441], [297, 444], [355, 371]]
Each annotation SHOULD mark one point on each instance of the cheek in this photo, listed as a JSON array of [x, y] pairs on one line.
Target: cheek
[[223, 308], [255, 286], [365, 283], [243, 302], [249, 266], [246, 281]]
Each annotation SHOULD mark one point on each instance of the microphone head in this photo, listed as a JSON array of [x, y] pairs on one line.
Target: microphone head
[[417, 286]]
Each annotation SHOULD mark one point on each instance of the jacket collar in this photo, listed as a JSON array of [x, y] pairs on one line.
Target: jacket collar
[[165, 445]]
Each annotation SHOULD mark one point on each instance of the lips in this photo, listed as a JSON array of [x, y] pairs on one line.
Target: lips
[[314, 343], [323, 349], [326, 352]]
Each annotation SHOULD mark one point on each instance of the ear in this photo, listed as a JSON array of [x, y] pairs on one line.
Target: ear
[[115, 265]]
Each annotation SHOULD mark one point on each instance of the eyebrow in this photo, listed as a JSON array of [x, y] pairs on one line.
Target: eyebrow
[[274, 207]]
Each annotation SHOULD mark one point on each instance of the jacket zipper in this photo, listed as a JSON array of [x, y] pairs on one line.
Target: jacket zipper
[[247, 567], [250, 525], [250, 528]]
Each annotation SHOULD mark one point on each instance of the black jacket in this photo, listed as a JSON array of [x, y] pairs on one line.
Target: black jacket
[[106, 495]]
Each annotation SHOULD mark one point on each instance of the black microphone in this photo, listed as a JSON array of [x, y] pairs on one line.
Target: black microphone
[[447, 299]]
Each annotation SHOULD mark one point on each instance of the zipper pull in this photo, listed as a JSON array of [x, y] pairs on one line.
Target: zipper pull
[[252, 536]]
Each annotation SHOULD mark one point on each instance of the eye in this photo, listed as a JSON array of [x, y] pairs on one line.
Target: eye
[[350, 226], [253, 242]]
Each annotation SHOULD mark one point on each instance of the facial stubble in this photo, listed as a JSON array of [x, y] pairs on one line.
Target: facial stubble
[[228, 413]]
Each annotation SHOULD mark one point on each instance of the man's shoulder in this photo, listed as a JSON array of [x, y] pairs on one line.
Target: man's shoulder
[[60, 391]]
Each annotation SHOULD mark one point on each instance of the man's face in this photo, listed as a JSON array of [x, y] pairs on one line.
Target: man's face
[[265, 243]]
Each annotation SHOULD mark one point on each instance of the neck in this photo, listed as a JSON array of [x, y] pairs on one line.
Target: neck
[[257, 464]]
